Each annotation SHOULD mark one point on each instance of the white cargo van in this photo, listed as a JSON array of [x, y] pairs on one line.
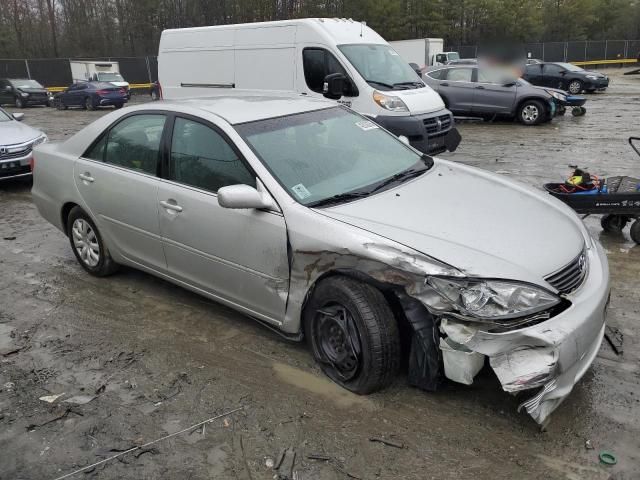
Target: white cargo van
[[424, 52], [337, 58], [98, 71]]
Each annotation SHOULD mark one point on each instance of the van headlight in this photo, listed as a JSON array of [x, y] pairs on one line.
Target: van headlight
[[489, 300], [389, 102]]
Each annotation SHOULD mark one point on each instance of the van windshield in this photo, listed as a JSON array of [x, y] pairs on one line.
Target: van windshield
[[330, 156], [381, 66], [110, 77]]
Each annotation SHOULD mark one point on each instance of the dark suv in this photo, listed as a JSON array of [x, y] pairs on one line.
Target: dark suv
[[21, 92], [565, 76]]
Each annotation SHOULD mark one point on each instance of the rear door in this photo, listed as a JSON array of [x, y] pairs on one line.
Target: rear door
[[117, 179], [493, 92], [457, 89], [552, 77], [237, 255]]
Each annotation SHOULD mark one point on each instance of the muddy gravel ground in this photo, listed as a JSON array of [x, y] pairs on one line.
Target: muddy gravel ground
[[154, 359]]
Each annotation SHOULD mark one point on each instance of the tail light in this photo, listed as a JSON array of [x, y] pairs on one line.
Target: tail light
[[103, 92], [123, 91]]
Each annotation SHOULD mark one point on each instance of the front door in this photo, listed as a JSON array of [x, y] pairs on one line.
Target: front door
[[494, 92], [117, 181], [238, 256]]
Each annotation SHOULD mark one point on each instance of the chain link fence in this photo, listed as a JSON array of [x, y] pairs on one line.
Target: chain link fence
[[603, 51], [56, 72]]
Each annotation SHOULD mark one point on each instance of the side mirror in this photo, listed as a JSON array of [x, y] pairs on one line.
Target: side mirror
[[404, 139], [245, 196], [8, 88], [335, 84], [416, 68], [18, 116]]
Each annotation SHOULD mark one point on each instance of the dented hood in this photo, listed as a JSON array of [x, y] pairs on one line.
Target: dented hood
[[478, 222]]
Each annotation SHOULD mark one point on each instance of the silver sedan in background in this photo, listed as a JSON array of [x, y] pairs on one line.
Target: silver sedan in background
[[318, 223], [16, 143]]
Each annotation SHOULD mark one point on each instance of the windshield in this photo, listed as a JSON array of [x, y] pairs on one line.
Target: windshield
[[453, 56], [25, 84], [381, 66], [110, 77], [4, 116], [570, 67], [321, 154]]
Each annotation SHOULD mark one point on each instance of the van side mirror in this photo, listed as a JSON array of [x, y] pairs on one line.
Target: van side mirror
[[335, 84], [18, 116], [416, 68], [245, 196]]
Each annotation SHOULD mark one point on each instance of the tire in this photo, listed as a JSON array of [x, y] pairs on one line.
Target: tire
[[154, 95], [353, 334], [88, 104], [613, 223], [118, 106], [59, 104], [531, 112], [19, 103], [575, 87], [634, 231], [86, 243], [578, 111]]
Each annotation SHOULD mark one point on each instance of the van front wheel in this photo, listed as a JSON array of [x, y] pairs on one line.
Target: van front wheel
[[353, 334]]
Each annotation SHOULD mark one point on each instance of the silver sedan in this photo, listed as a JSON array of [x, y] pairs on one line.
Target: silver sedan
[[318, 223], [16, 143]]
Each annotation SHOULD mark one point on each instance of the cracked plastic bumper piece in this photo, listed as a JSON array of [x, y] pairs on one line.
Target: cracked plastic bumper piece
[[551, 356]]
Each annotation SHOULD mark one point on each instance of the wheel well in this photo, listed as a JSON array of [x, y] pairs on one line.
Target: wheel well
[[64, 215]]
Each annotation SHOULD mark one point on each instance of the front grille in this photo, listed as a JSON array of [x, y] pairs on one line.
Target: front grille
[[436, 125], [7, 153], [570, 277]]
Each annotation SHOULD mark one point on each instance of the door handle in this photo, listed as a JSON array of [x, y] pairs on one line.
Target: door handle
[[171, 205], [480, 87], [444, 84], [86, 176]]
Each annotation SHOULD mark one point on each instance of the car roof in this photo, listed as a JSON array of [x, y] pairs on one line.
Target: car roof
[[237, 109]]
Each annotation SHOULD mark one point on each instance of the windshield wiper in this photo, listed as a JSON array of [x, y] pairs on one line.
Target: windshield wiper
[[414, 83], [400, 177], [390, 87], [339, 198]]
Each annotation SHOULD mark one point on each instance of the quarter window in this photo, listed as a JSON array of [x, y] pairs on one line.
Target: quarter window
[[459, 74], [437, 74], [317, 64], [202, 158], [133, 143]]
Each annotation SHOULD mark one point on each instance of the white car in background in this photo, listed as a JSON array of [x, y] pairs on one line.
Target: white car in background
[[317, 222], [16, 144]]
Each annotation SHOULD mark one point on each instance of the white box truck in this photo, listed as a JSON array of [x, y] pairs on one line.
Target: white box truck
[[424, 52], [98, 71], [337, 58]]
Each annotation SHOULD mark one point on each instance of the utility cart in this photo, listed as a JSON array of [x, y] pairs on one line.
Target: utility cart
[[616, 198]]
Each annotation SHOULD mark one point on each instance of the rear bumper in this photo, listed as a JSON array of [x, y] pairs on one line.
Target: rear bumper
[[431, 133]]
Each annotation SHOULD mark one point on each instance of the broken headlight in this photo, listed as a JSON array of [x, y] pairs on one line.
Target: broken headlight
[[490, 300]]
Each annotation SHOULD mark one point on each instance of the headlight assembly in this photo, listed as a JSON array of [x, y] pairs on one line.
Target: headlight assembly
[[492, 300], [592, 77], [39, 140], [557, 95], [24, 94], [389, 102]]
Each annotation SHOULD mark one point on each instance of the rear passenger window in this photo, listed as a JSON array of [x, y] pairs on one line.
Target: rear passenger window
[[317, 64], [437, 74], [202, 158], [135, 143], [459, 74]]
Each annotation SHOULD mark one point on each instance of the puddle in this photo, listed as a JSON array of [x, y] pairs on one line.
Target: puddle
[[321, 386]]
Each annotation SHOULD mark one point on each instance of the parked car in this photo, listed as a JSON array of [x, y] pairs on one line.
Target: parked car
[[463, 61], [22, 92], [489, 92], [91, 95], [314, 220], [16, 144], [565, 76]]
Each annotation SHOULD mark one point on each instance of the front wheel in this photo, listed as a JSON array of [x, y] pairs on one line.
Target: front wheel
[[87, 244], [634, 231], [59, 104], [154, 95], [19, 102], [575, 87], [353, 334], [613, 223], [531, 112], [118, 105]]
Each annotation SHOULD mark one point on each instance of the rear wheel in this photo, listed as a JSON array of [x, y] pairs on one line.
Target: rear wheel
[[575, 86], [613, 223], [87, 244], [531, 112], [353, 334], [88, 104], [635, 231], [118, 105]]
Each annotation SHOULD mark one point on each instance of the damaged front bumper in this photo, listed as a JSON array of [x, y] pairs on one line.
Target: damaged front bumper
[[551, 356]]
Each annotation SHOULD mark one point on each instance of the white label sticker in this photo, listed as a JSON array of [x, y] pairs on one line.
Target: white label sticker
[[301, 191], [367, 125]]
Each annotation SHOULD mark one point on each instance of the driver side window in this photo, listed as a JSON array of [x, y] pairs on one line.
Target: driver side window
[[317, 64]]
